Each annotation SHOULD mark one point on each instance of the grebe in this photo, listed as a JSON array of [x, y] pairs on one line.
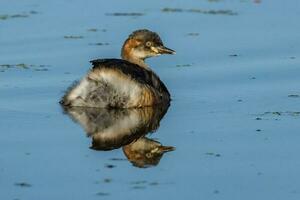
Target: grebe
[[126, 82]]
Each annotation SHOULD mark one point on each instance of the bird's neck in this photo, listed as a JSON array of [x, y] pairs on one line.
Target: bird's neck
[[138, 61], [130, 55]]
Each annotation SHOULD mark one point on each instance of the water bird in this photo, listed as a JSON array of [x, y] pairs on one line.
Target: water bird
[[123, 83]]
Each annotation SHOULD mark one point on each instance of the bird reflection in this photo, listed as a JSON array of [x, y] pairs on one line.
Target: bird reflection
[[127, 128], [145, 152]]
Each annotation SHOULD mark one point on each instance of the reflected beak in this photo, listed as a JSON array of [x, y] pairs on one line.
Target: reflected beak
[[163, 50]]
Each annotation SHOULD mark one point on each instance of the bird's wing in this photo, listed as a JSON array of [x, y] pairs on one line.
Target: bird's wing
[[134, 71]]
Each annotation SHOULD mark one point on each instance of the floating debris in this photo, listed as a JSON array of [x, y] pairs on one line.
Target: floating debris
[[213, 12], [73, 37], [233, 55], [4, 67], [193, 10], [118, 159], [110, 166], [33, 12], [213, 154], [107, 180], [138, 182], [133, 14], [22, 65], [139, 187], [183, 65], [96, 30], [294, 96], [4, 17], [274, 113], [193, 34], [92, 30], [216, 191], [279, 114], [102, 194], [172, 10], [41, 70], [289, 113], [154, 183], [23, 184], [100, 44], [14, 16]]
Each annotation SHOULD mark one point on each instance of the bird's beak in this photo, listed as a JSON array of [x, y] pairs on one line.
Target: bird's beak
[[163, 50]]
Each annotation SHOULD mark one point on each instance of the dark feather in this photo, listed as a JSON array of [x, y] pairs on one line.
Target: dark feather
[[136, 72]]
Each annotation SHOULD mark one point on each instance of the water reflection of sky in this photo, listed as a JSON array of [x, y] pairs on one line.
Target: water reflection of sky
[[231, 77]]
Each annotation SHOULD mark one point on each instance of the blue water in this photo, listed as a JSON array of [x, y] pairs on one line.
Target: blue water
[[234, 118]]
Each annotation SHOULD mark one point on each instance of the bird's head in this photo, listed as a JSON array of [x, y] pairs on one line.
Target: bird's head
[[142, 44]]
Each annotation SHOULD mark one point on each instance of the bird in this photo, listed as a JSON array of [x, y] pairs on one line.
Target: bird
[[123, 83]]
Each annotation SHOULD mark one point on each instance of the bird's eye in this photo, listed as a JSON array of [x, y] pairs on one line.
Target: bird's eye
[[148, 44]]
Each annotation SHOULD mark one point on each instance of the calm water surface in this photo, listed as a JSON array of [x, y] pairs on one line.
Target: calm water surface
[[234, 118]]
